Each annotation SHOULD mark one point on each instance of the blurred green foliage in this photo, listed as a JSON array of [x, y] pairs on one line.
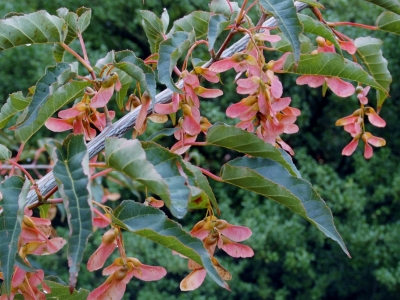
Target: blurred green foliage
[[292, 258]]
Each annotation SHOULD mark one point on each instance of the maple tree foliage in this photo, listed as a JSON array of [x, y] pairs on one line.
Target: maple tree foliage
[[66, 99]]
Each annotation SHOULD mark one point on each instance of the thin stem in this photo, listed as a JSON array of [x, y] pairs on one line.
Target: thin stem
[[98, 165], [78, 57], [250, 7], [51, 201], [195, 144], [334, 24], [190, 52], [108, 118], [23, 170], [16, 159], [211, 175], [49, 194], [30, 166], [102, 173], [85, 56]]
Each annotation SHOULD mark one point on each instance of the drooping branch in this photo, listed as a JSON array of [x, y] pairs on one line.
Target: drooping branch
[[119, 128]]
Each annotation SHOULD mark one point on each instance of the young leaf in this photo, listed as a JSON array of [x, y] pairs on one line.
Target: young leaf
[[10, 227], [165, 19], [153, 28], [285, 13], [319, 29], [54, 90], [217, 25], [16, 102], [197, 21], [369, 50], [330, 64], [242, 141], [72, 176], [392, 5], [5, 154], [35, 28], [170, 51], [137, 69], [222, 7], [77, 23], [389, 22], [268, 178], [151, 223], [61, 291]]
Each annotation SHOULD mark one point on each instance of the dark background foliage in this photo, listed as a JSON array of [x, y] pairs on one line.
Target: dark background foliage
[[293, 260]]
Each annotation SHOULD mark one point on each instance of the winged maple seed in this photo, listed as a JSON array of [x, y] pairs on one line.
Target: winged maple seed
[[216, 232]]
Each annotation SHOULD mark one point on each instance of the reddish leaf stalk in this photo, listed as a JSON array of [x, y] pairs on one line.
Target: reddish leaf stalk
[[102, 173], [17, 158], [23, 170], [334, 24], [78, 57], [211, 175]]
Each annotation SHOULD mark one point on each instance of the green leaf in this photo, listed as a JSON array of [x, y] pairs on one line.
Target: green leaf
[[392, 5], [369, 50], [196, 21], [10, 227], [128, 157], [137, 69], [157, 169], [222, 7], [163, 132], [218, 23], [54, 90], [60, 291], [16, 102], [313, 3], [72, 176], [5, 154], [284, 45], [245, 142], [35, 28], [153, 28], [202, 182], [165, 19], [151, 223], [285, 13], [169, 53], [389, 22], [268, 178], [77, 23], [319, 29], [330, 64], [180, 180]]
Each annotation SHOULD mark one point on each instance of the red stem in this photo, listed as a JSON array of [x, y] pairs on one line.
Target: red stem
[[334, 24], [23, 170], [17, 158], [98, 165], [211, 175], [195, 144], [104, 172]]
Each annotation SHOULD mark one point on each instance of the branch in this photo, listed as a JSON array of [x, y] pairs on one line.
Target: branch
[[47, 182]]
